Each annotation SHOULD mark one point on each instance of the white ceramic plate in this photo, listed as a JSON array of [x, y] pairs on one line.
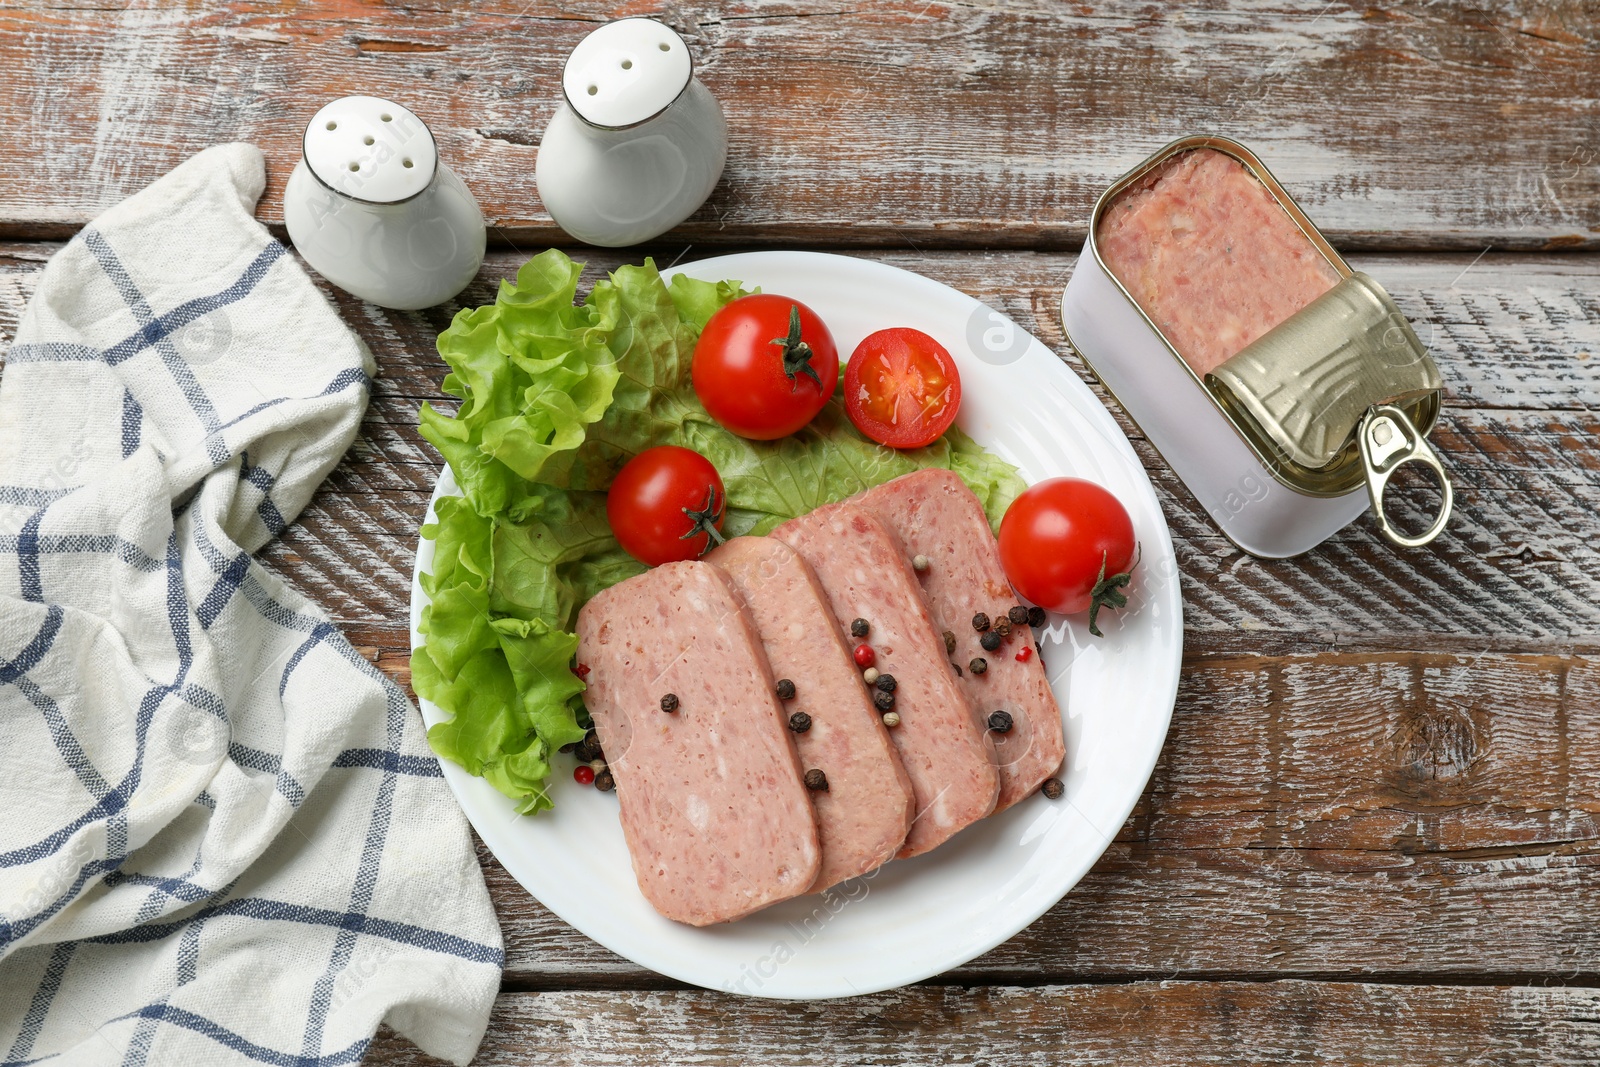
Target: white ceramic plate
[[914, 918]]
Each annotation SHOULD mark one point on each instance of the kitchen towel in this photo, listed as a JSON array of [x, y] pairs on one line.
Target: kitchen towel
[[223, 838]]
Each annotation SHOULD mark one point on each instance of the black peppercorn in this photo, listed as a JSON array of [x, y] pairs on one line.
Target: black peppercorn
[[1002, 626], [785, 689], [669, 703], [588, 749], [816, 781], [1018, 615], [1053, 788], [990, 641], [1000, 722], [799, 722], [957, 667], [949, 642], [1036, 616], [978, 665], [605, 781], [886, 682], [569, 746], [980, 622], [860, 628], [883, 701]]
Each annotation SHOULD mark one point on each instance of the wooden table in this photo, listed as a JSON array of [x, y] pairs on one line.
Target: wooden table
[[1372, 836]]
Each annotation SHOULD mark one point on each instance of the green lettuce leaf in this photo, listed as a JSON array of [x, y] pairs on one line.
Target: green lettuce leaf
[[555, 397], [697, 301], [532, 370], [497, 666]]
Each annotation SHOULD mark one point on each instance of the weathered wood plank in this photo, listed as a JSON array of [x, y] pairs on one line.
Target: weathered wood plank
[[1515, 336], [1520, 561], [1509, 331], [1326, 814], [1416, 125], [1183, 1024]]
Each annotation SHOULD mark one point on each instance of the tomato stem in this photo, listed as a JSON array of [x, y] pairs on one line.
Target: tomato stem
[[796, 353], [705, 520], [1107, 592]]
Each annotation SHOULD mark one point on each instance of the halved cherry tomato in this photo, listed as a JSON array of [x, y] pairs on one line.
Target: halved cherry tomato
[[666, 504], [1067, 545], [764, 366], [901, 388]]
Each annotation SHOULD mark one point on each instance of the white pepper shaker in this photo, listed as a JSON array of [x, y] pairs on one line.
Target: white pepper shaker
[[638, 144], [373, 209]]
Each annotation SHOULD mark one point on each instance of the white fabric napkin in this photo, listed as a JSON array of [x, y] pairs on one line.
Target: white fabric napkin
[[223, 838]]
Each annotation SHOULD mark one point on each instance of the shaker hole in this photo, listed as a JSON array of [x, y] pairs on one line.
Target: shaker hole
[[664, 46], [593, 89], [406, 163], [387, 118], [355, 166], [627, 64], [333, 125], [367, 139]]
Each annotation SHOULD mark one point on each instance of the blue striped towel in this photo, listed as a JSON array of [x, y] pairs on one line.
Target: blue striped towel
[[222, 836]]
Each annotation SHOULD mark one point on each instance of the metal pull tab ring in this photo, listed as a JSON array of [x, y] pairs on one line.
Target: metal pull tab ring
[[1388, 442]]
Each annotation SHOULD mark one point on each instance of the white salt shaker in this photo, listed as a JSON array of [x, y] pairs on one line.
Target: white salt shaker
[[372, 208], [638, 143]]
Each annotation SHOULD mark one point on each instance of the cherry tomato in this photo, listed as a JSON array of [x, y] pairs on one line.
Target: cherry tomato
[[666, 504], [764, 366], [1067, 545], [901, 388]]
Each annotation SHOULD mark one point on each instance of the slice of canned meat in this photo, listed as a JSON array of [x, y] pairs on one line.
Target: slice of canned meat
[[716, 816], [1210, 255], [866, 811], [934, 514], [947, 755]]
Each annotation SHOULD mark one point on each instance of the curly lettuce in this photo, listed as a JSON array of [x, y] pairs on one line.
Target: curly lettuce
[[556, 395]]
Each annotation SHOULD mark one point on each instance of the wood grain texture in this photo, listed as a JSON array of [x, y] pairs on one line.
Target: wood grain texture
[[1149, 1024], [1413, 125], [1387, 815], [1519, 562], [1327, 814], [1516, 338]]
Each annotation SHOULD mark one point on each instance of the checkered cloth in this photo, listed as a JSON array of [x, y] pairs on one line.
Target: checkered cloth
[[222, 836]]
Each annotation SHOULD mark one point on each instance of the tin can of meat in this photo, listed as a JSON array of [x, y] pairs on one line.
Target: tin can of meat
[[1283, 387]]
